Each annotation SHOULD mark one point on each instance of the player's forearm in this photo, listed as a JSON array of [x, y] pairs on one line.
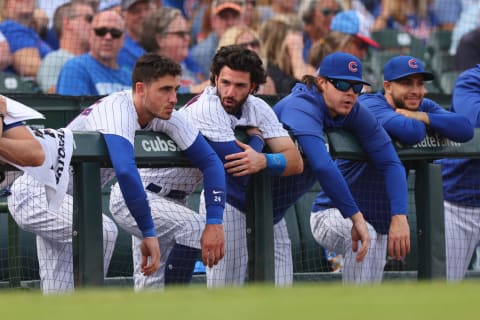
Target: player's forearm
[[22, 152]]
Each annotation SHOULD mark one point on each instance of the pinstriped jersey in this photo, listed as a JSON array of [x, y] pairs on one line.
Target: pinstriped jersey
[[116, 114]]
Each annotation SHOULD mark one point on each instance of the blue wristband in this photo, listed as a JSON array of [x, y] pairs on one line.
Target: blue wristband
[[276, 163]]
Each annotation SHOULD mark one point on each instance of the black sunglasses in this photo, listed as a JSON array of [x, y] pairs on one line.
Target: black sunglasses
[[328, 11], [254, 44], [87, 17], [102, 32], [344, 85], [181, 34]]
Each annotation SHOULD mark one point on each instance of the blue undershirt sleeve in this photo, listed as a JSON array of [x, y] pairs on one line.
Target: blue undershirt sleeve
[[386, 160], [204, 157], [122, 156], [406, 130], [328, 174]]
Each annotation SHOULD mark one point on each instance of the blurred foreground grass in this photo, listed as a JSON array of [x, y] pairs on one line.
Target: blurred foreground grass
[[414, 300]]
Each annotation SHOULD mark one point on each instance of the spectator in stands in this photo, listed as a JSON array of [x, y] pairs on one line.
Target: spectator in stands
[[346, 35], [224, 14], [326, 101], [407, 116], [5, 54], [97, 72], [317, 16], [413, 16], [25, 44], [447, 12], [461, 184], [468, 21], [166, 33], [135, 12], [72, 23], [282, 46], [246, 37], [468, 51]]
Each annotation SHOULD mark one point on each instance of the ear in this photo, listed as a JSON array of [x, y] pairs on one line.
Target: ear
[[387, 86], [253, 88], [321, 82], [140, 88]]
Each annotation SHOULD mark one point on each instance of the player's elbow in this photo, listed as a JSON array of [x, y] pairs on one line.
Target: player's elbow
[[294, 166], [34, 158]]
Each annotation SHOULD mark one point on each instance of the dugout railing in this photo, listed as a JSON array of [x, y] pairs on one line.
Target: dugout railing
[[90, 155]]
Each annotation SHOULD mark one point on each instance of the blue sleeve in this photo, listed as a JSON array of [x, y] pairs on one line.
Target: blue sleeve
[[328, 174], [451, 125], [387, 162], [405, 130], [73, 80], [257, 143], [466, 95], [204, 157], [123, 161]]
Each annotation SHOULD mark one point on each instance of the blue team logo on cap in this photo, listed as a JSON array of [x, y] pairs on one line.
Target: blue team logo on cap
[[353, 66], [412, 63]]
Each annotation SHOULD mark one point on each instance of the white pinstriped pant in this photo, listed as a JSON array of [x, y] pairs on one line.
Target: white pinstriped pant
[[462, 235], [28, 207], [232, 269], [174, 223], [333, 231]]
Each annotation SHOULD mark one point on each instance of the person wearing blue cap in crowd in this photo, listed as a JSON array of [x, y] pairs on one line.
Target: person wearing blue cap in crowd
[[326, 102]]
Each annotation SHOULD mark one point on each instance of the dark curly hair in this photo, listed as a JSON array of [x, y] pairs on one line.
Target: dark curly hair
[[152, 66], [239, 59]]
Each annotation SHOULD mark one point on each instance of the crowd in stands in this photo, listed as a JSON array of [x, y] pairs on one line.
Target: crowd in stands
[[90, 47], [38, 37]]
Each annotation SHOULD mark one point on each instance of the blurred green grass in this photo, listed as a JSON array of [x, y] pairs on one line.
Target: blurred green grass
[[318, 301]]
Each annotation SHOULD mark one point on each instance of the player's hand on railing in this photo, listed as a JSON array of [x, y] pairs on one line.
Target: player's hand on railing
[[246, 162], [360, 233], [399, 237], [150, 255], [213, 244]]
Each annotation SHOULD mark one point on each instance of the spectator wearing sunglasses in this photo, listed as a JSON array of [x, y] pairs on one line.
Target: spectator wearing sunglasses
[[166, 33], [135, 12], [338, 222], [247, 38], [317, 16], [97, 72], [72, 23]]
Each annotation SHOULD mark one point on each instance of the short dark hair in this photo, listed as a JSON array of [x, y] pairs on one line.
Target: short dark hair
[[238, 58], [151, 66]]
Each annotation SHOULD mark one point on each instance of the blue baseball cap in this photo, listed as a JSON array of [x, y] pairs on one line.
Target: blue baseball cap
[[350, 22], [342, 66], [404, 66]]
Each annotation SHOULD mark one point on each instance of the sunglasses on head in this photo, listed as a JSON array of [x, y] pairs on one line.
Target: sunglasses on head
[[181, 33], [253, 44], [102, 32], [328, 11], [344, 85], [87, 17]]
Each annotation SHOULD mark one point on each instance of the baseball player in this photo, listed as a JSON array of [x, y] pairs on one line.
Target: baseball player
[[37, 202], [174, 224], [461, 184], [407, 116], [330, 101], [228, 104]]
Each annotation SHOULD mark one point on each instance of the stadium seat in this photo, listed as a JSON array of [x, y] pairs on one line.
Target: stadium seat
[[447, 81], [12, 83]]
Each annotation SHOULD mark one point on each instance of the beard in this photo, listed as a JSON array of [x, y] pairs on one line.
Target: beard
[[231, 105]]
